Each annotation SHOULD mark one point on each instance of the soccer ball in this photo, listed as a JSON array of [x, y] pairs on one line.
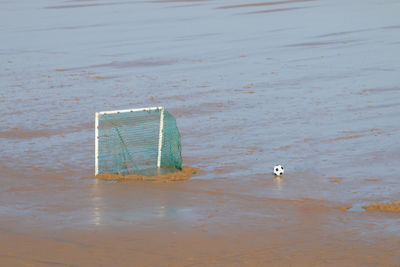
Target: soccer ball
[[278, 170]]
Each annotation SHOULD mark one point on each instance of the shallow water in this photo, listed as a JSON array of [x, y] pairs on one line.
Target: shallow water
[[311, 85]]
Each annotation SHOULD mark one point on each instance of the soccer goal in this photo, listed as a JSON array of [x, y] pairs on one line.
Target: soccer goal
[[143, 141]]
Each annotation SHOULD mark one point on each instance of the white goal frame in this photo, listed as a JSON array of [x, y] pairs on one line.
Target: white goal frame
[[96, 131]]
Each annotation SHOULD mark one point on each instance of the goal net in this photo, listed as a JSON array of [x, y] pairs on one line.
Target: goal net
[[137, 141]]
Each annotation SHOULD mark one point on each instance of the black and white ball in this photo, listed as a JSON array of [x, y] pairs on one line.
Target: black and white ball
[[278, 170]]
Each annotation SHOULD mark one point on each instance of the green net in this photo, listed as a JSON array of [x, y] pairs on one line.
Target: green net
[[128, 142]]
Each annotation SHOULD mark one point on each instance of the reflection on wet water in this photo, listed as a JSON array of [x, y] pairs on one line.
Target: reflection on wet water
[[278, 182], [97, 200], [124, 204]]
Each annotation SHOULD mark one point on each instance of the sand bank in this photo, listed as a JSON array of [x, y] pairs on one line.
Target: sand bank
[[180, 175], [393, 206]]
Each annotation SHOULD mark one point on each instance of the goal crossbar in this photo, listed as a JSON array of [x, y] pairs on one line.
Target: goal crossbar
[[128, 110]]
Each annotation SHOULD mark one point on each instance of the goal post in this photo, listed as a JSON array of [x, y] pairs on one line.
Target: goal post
[[160, 138], [143, 141]]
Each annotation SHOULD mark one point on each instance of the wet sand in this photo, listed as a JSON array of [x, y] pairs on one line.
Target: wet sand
[[186, 173], [312, 85], [393, 207]]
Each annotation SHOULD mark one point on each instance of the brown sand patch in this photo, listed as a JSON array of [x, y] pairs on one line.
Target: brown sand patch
[[345, 207], [393, 206], [340, 33], [185, 174], [285, 148], [140, 63], [380, 90], [370, 180], [263, 4], [346, 137], [177, 1], [335, 179], [219, 170], [383, 106], [24, 133], [327, 43], [392, 27], [275, 10], [102, 77], [86, 5]]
